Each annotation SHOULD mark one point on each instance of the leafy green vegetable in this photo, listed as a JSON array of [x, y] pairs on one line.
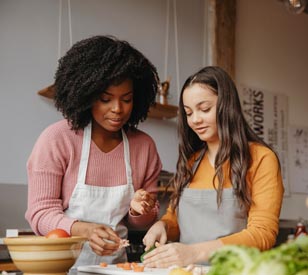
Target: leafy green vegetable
[[233, 260], [271, 267], [287, 259]]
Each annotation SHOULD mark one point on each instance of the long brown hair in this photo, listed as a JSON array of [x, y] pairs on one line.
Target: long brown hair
[[233, 131]]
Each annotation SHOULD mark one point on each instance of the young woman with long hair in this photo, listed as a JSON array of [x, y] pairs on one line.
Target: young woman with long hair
[[228, 186]]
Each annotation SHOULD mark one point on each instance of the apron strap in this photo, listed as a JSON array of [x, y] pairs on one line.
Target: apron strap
[[127, 158], [198, 160]]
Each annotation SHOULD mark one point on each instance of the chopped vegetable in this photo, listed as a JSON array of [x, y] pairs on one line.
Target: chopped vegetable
[[124, 243], [126, 266], [146, 252], [138, 268], [131, 266]]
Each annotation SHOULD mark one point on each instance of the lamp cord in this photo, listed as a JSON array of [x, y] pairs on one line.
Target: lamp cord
[[176, 49], [69, 13]]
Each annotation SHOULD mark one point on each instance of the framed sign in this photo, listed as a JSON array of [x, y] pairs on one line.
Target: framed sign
[[267, 114], [298, 159]]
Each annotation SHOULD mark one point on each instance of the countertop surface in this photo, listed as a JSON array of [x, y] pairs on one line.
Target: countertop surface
[[71, 272], [111, 270]]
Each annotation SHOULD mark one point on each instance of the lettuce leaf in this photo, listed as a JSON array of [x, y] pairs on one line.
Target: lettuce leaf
[[287, 259], [233, 260]]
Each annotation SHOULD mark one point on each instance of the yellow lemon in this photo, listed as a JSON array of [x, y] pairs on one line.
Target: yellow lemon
[[179, 271]]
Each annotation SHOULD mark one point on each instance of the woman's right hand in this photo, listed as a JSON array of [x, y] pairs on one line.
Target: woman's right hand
[[157, 233], [102, 239]]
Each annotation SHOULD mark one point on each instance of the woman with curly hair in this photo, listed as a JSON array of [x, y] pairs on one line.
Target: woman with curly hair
[[228, 186], [93, 173]]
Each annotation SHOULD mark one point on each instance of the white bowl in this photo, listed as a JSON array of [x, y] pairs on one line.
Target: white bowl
[[41, 255]]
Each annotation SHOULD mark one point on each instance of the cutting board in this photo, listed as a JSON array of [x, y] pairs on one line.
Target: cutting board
[[114, 270]]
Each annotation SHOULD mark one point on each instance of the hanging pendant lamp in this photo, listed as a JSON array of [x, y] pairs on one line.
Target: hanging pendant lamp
[[49, 91]]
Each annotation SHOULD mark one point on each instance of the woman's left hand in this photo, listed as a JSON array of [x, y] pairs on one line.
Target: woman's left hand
[[171, 254], [143, 202]]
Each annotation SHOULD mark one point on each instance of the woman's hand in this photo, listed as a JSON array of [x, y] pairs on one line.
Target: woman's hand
[[157, 233], [171, 254], [102, 239], [143, 202], [181, 254]]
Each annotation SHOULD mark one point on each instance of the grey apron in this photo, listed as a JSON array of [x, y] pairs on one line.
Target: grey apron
[[99, 204], [201, 220]]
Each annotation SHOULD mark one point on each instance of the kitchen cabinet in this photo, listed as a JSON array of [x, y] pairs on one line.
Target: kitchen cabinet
[[163, 180]]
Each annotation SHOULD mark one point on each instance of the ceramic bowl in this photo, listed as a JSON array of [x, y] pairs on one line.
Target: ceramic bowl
[[41, 255]]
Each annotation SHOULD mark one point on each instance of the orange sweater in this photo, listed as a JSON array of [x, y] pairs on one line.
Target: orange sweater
[[264, 179]]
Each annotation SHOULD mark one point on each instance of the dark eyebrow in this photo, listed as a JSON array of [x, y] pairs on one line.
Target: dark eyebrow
[[200, 103], [107, 93]]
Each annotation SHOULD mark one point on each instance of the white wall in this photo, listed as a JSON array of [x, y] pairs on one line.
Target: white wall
[[272, 54], [30, 48], [29, 52]]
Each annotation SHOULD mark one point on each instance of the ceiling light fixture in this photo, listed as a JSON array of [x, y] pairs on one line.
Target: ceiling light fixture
[[295, 6]]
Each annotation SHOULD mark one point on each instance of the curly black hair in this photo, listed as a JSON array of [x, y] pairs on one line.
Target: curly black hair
[[91, 66]]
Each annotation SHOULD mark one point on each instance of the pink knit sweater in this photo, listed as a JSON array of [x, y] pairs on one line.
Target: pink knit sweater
[[53, 168]]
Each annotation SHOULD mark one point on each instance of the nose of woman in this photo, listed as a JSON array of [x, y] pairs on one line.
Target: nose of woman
[[196, 118], [116, 106]]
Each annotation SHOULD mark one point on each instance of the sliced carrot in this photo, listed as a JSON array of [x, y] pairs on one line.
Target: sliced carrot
[[126, 266], [103, 264], [138, 268]]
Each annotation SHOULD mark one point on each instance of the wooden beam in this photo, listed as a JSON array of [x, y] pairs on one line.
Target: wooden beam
[[221, 34]]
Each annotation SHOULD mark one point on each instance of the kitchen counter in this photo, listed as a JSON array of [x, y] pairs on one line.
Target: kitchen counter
[[286, 227], [71, 272]]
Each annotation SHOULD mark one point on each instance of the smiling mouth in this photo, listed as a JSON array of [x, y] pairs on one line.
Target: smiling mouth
[[201, 130], [115, 121]]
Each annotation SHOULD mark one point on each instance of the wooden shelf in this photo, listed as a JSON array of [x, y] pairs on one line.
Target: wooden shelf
[[7, 266], [158, 111], [163, 111]]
